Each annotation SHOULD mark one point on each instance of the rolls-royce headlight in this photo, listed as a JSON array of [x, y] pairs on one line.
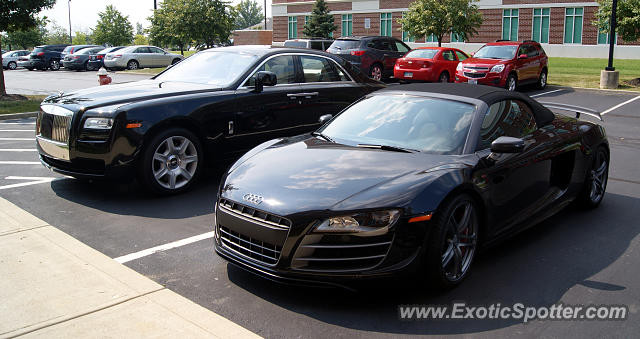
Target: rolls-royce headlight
[[98, 123], [359, 222]]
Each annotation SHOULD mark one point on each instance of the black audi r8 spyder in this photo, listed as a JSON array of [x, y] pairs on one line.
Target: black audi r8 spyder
[[222, 102], [409, 178]]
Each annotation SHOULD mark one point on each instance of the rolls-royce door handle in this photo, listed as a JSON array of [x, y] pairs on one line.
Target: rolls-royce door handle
[[306, 95]]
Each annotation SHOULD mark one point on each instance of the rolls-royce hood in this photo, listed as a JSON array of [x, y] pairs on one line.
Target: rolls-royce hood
[[127, 93], [311, 174]]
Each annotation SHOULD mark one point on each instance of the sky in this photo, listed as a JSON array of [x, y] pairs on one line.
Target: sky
[[84, 13]]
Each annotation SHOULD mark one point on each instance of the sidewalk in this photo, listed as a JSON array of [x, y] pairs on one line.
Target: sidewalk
[[54, 286]]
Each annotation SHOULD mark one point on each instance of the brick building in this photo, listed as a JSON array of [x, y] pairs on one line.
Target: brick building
[[563, 27]]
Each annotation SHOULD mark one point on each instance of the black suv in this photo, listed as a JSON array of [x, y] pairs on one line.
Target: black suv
[[374, 55], [47, 56]]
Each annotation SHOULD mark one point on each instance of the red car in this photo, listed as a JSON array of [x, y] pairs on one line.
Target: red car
[[429, 64], [506, 64]]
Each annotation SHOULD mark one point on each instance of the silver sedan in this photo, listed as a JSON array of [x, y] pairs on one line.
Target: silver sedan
[[10, 59], [135, 57]]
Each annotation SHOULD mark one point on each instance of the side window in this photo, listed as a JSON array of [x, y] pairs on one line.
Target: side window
[[318, 69], [532, 51], [461, 56], [448, 55], [283, 68], [524, 49], [156, 50], [511, 118], [401, 47], [389, 45], [316, 45]]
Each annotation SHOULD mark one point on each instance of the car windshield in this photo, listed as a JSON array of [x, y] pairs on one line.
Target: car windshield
[[345, 44], [428, 125], [86, 51], [422, 53], [496, 52], [211, 67]]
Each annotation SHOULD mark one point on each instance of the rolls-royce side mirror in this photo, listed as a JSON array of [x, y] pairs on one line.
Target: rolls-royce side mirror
[[507, 145], [324, 118], [264, 78]]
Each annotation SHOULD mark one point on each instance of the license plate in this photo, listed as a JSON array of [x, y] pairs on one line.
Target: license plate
[[408, 74], [473, 81]]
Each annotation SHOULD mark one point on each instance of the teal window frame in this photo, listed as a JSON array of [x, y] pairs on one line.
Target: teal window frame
[[405, 35], [603, 38], [510, 22], [430, 38], [386, 24], [347, 24], [455, 37], [292, 31], [541, 24], [573, 18]]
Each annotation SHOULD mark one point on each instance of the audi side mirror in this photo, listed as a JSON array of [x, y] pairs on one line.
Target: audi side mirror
[[507, 145], [324, 118]]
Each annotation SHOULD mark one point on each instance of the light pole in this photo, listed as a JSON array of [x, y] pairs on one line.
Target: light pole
[[612, 34], [265, 15], [69, 7], [155, 4]]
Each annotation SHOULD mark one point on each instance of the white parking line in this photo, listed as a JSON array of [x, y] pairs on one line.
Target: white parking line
[[34, 181], [18, 150], [19, 162], [17, 123], [545, 93], [620, 105], [16, 130], [149, 251], [17, 139]]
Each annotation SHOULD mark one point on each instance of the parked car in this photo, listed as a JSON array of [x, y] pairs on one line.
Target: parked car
[[47, 56], [24, 61], [135, 57], [507, 64], [313, 43], [10, 59], [412, 178], [73, 49], [429, 64], [96, 60], [374, 55], [221, 101], [79, 60]]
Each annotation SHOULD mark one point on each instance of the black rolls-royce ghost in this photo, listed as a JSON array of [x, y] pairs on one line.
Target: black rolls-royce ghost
[[222, 101], [412, 177]]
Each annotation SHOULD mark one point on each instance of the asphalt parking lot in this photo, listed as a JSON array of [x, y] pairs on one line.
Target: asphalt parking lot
[[573, 258]]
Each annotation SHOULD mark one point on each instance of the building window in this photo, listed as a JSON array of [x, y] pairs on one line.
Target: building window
[[293, 27], [430, 38], [510, 24], [603, 38], [455, 37], [405, 35], [573, 25], [385, 24], [347, 24], [541, 25]]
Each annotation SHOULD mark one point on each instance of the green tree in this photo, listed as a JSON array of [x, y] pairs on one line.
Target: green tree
[[426, 17], [57, 34], [248, 13], [31, 37], [113, 28], [140, 39], [19, 15], [81, 38], [627, 18], [320, 23], [182, 22]]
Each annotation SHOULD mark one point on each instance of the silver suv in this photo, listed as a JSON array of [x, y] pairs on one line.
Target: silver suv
[[313, 43], [135, 57]]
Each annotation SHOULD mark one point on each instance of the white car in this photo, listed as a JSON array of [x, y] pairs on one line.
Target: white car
[[10, 59], [135, 57]]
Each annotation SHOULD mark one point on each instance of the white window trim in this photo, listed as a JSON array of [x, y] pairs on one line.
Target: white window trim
[[391, 19], [510, 18], [564, 27], [533, 16], [289, 30]]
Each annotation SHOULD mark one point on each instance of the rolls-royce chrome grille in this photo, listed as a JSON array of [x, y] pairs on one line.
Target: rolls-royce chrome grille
[[255, 214], [257, 250], [53, 123]]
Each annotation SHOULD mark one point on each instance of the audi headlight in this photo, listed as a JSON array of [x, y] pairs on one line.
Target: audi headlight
[[98, 123], [459, 67], [378, 221], [497, 68]]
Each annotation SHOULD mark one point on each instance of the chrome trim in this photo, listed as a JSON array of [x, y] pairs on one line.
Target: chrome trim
[[56, 150], [229, 245], [341, 259], [274, 130], [346, 246], [248, 217], [241, 86]]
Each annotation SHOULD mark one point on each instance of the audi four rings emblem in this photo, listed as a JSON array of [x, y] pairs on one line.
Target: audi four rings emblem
[[252, 198]]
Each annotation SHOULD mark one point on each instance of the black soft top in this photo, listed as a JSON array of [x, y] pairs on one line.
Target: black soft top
[[488, 94]]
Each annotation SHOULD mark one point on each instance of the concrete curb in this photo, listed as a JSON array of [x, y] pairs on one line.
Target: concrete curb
[[18, 115], [623, 91]]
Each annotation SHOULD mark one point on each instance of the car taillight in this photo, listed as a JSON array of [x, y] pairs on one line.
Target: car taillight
[[75, 57], [357, 53], [40, 54], [99, 56]]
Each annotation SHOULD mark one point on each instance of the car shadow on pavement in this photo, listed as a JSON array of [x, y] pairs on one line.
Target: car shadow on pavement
[[536, 268], [130, 198]]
